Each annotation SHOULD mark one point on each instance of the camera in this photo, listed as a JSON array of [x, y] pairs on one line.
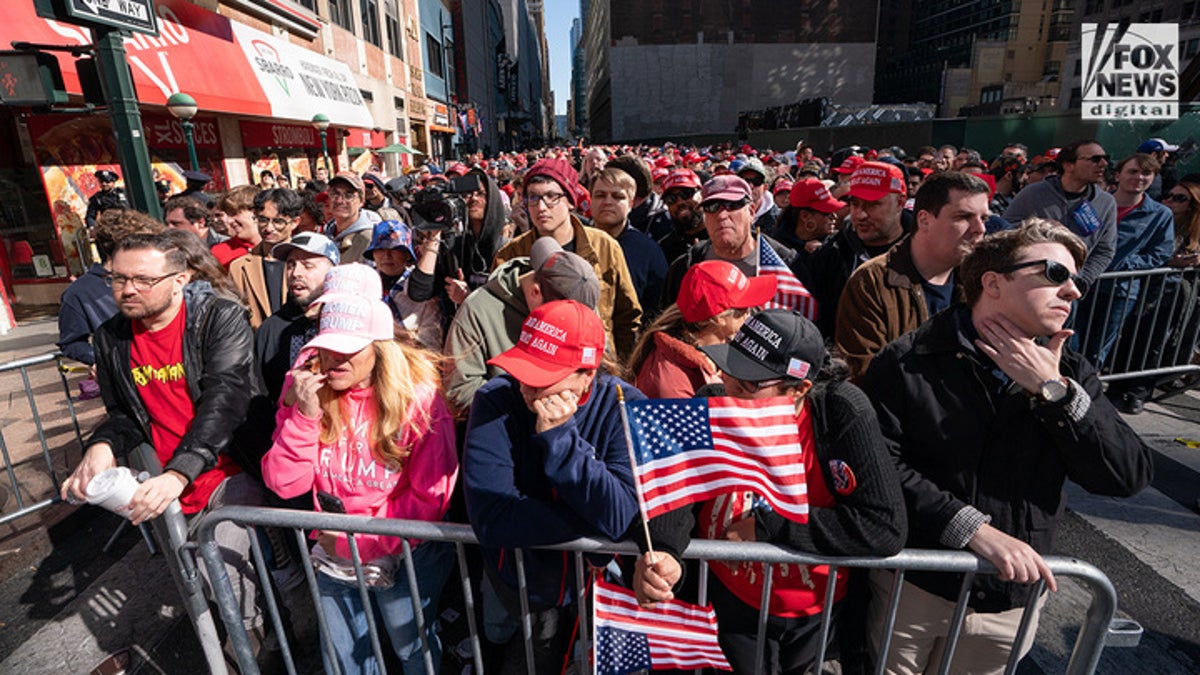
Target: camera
[[440, 207]]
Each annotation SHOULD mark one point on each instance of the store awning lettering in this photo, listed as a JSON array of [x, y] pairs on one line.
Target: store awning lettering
[[226, 66]]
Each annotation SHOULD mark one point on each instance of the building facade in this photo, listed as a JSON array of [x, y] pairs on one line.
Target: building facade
[[973, 57], [673, 68], [259, 71]]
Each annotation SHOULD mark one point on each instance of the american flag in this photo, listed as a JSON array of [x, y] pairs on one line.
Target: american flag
[[789, 292], [673, 634], [689, 450]]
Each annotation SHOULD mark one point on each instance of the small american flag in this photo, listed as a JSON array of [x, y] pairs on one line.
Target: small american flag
[[789, 292], [690, 450], [673, 634]]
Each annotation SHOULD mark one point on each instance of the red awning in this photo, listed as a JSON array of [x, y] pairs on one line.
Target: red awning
[[226, 67]]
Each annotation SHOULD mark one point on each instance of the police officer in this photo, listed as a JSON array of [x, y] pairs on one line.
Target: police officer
[[196, 180], [109, 197]]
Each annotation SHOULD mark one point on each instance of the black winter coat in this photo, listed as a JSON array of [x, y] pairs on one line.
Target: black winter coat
[[962, 435], [218, 361]]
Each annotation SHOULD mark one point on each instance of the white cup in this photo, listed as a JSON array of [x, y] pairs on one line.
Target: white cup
[[113, 489]]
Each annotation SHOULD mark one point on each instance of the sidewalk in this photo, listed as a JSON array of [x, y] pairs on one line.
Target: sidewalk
[[65, 606]]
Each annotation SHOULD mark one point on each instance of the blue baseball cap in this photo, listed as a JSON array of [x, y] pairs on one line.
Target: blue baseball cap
[[1156, 145], [390, 234], [311, 242]]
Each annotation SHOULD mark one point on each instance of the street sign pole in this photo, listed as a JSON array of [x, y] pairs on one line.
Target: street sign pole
[[126, 120]]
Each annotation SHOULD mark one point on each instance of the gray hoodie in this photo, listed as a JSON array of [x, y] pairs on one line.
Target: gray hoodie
[[1046, 199], [487, 323]]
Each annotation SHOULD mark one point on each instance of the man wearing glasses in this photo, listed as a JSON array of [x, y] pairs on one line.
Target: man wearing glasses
[[986, 413], [176, 370], [1076, 198], [551, 191], [728, 205], [351, 225], [258, 275]]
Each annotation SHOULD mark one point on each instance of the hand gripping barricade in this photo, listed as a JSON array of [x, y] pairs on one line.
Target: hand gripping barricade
[[1097, 630], [1142, 323], [21, 483]]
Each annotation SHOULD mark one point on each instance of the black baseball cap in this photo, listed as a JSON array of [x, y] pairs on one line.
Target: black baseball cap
[[772, 344]]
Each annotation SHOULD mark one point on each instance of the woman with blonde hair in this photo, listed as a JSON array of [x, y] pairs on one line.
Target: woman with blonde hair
[[363, 427], [714, 300]]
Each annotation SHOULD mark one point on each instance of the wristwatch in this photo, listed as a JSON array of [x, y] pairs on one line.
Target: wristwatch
[[1052, 391]]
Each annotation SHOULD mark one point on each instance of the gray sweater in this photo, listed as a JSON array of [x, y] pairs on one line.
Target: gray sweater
[[1046, 199]]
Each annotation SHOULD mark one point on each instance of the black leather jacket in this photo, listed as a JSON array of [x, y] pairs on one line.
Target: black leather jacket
[[963, 436], [218, 361]]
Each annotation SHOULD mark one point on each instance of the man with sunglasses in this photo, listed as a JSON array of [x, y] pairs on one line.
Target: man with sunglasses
[[1075, 198], [727, 203], [987, 413], [683, 221]]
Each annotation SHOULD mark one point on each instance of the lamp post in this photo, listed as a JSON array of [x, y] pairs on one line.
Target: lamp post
[[183, 107], [320, 122]]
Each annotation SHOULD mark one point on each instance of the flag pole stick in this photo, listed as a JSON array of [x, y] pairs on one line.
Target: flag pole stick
[[633, 465], [595, 661]]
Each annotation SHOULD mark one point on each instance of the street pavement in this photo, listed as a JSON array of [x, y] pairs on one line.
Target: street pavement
[[66, 606]]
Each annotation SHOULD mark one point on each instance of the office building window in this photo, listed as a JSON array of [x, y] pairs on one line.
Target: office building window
[[340, 14], [370, 21], [391, 25], [433, 54]]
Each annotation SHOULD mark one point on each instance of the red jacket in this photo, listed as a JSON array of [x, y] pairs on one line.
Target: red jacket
[[674, 369]]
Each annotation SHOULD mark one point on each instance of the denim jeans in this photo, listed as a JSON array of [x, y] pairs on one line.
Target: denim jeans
[[343, 609]]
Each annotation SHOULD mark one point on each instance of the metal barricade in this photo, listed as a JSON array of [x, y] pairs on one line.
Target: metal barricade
[[1085, 656], [172, 532], [22, 368], [1141, 324]]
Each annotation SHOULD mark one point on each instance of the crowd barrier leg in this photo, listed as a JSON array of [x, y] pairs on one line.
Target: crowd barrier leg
[[171, 529]]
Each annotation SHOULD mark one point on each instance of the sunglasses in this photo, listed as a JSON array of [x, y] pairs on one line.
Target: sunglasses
[[1055, 272], [754, 179], [717, 205], [1096, 159], [671, 198], [1176, 197]]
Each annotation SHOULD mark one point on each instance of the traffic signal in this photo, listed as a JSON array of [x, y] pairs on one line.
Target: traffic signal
[[30, 78]]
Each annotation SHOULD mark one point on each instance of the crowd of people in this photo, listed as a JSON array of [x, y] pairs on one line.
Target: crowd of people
[[454, 344]]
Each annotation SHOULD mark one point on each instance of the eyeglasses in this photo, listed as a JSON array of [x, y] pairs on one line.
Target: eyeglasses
[[140, 284], [1096, 159], [339, 195], [675, 196], [550, 199], [476, 194], [277, 223], [752, 178], [1055, 272], [717, 205], [1176, 197]]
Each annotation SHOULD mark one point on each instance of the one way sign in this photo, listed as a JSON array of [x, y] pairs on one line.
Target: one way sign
[[134, 15]]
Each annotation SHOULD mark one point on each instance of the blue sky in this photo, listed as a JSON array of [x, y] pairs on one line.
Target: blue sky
[[559, 14]]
